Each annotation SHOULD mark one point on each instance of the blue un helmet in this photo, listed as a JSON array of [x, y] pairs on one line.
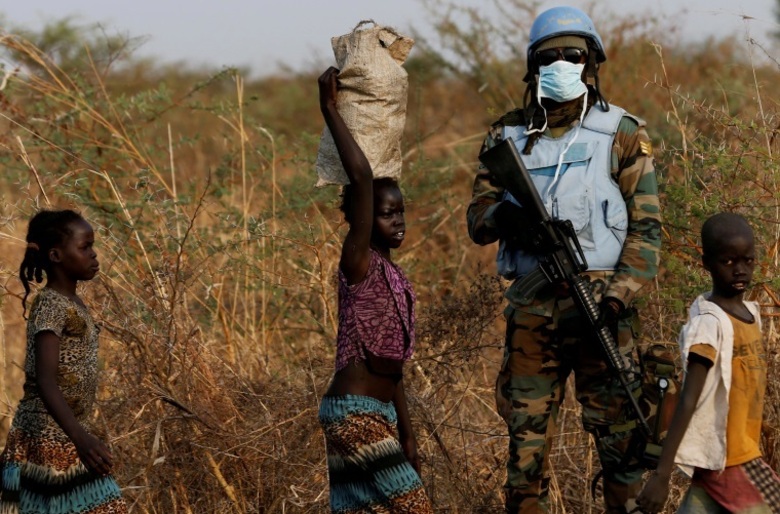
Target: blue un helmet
[[564, 21]]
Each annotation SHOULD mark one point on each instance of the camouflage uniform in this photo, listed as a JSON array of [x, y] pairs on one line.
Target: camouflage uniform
[[544, 342]]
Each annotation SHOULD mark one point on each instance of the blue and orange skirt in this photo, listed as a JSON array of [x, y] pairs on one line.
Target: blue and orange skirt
[[367, 469]]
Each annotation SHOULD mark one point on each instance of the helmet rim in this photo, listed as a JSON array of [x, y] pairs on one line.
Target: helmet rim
[[564, 21]]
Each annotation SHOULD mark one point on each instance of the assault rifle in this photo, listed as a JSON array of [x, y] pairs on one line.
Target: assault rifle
[[561, 260]]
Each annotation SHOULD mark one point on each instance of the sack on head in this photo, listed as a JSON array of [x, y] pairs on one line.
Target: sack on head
[[372, 101]]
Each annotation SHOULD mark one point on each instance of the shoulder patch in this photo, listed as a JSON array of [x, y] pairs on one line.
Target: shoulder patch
[[646, 148]]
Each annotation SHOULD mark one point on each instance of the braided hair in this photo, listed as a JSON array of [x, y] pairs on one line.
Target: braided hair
[[47, 229], [347, 194]]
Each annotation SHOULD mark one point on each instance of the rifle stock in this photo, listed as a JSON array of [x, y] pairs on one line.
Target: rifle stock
[[561, 259]]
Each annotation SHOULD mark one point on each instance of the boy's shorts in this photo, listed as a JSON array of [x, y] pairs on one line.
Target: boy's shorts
[[749, 488]]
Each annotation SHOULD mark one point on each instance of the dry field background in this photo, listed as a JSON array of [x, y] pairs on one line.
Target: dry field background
[[217, 295]]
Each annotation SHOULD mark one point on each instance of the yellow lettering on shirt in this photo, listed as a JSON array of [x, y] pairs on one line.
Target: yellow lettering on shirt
[[746, 398]]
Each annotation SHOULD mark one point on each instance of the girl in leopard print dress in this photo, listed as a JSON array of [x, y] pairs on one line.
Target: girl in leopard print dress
[[51, 463]]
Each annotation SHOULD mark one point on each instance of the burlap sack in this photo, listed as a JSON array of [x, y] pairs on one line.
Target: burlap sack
[[371, 100]]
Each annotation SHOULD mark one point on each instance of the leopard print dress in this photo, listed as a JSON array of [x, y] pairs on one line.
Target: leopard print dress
[[41, 470]]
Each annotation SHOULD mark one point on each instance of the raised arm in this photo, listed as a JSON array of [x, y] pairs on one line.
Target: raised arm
[[92, 452], [355, 253]]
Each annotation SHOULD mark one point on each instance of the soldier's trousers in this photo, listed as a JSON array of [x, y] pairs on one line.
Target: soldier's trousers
[[540, 354]]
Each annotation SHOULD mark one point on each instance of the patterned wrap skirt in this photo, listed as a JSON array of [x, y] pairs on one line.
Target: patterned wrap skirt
[[367, 469], [41, 475]]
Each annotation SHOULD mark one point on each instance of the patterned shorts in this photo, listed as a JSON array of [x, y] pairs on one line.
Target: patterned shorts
[[750, 488]]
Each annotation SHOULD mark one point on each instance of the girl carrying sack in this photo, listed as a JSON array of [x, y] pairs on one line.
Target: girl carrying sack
[[372, 100]]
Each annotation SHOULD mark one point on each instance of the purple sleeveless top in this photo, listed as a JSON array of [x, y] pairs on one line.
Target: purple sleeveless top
[[376, 314]]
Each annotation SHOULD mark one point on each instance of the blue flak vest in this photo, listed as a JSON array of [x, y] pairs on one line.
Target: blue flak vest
[[583, 193]]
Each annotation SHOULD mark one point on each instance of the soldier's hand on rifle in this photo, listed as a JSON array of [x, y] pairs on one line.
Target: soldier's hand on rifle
[[510, 219], [610, 310]]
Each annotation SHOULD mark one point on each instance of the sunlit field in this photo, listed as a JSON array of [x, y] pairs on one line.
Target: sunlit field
[[217, 295]]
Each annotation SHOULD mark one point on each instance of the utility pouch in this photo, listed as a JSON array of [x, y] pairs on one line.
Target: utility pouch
[[661, 367]]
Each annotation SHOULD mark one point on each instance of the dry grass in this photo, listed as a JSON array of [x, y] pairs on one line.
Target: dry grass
[[217, 295]]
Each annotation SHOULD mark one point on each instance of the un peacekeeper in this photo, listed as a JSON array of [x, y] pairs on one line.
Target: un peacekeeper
[[591, 163]]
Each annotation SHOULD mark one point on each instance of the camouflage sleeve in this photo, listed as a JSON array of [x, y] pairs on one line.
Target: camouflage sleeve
[[485, 196], [632, 167]]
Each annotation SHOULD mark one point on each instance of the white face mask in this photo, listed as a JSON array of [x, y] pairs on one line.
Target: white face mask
[[561, 81]]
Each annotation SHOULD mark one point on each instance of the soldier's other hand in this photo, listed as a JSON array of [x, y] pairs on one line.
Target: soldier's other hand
[[562, 290], [610, 310], [509, 219]]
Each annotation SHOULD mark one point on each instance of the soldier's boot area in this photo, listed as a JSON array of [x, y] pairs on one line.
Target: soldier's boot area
[[526, 500], [529, 390], [527, 396], [528, 479], [618, 498]]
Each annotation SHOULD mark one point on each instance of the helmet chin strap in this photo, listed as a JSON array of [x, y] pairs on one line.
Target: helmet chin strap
[[592, 71], [531, 129]]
